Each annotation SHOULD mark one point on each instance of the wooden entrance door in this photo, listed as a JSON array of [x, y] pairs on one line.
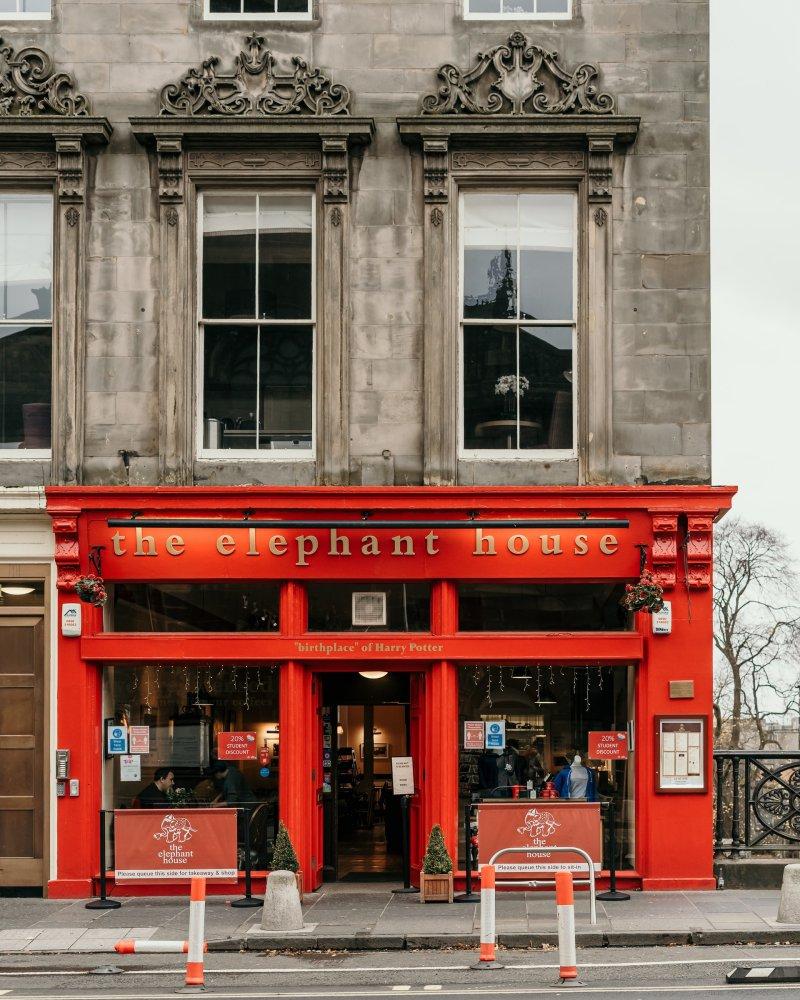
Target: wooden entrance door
[[22, 733]]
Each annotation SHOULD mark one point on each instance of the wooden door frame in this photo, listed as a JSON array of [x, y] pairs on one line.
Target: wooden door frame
[[43, 572]]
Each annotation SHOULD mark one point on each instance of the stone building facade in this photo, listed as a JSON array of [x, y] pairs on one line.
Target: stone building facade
[[387, 226]]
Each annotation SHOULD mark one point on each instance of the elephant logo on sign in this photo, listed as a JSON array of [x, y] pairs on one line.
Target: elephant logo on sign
[[174, 830], [539, 823]]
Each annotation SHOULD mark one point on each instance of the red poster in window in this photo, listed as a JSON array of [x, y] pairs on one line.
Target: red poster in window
[[237, 746], [175, 845], [608, 746], [538, 825]]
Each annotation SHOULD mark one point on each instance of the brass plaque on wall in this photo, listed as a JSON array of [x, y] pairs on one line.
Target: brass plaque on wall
[[681, 689]]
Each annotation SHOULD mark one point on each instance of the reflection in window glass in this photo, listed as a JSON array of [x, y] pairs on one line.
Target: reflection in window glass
[[21, 593], [265, 8], [330, 607], [258, 269], [186, 709], [541, 607], [251, 606], [25, 8], [518, 8], [518, 325]]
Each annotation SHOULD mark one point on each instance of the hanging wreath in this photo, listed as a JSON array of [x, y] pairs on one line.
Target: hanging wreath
[[91, 590], [646, 595]]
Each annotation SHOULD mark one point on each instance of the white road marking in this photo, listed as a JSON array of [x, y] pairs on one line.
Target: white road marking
[[400, 989], [342, 969], [431, 988]]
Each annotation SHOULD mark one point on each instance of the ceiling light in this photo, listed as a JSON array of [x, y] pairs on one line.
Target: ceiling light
[[17, 591], [373, 675]]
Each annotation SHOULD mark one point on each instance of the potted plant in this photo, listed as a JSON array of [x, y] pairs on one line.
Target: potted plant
[[284, 857], [91, 590], [509, 387], [646, 595], [436, 878]]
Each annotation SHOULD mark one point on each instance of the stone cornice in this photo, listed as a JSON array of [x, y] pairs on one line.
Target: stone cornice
[[463, 130], [43, 131], [208, 131]]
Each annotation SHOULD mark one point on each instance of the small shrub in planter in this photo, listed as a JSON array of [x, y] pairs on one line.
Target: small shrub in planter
[[436, 878], [284, 857]]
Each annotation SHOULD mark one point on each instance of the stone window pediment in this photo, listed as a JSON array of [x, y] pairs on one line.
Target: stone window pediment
[[266, 119], [520, 116]]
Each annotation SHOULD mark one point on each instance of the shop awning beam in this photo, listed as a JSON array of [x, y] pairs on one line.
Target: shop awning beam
[[218, 522]]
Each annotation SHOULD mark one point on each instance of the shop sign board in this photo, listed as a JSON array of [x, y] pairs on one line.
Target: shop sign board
[[156, 845], [237, 746], [474, 735], [496, 735], [682, 751], [403, 775], [130, 767], [608, 746], [116, 739], [139, 739], [539, 824]]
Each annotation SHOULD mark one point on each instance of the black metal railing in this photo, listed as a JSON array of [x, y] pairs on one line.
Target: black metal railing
[[756, 801]]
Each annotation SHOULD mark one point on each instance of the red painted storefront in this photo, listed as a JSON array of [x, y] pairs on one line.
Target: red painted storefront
[[675, 524]]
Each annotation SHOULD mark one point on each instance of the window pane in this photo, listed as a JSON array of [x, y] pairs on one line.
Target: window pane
[[490, 256], [490, 401], [230, 380], [484, 6], [547, 225], [22, 594], [36, 6], [553, 6], [287, 364], [541, 607], [293, 6], [25, 386], [225, 6], [251, 606], [284, 257], [8, 7], [229, 256], [330, 606], [26, 254], [518, 6], [259, 6], [545, 361]]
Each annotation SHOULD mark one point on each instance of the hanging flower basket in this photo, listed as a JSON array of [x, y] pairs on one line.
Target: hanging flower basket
[[646, 595], [91, 590]]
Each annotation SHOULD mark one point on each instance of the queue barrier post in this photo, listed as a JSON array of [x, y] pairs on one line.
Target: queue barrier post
[[536, 883], [103, 903], [567, 954], [612, 894], [248, 900], [469, 896]]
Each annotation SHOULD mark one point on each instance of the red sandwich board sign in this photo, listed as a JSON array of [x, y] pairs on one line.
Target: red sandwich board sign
[[175, 845], [537, 825], [608, 746], [237, 746]]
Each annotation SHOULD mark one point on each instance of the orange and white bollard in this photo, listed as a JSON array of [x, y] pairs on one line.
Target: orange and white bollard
[[567, 956], [488, 953], [129, 946], [197, 914]]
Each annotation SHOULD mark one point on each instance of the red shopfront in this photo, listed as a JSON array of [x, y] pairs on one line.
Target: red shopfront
[[229, 611]]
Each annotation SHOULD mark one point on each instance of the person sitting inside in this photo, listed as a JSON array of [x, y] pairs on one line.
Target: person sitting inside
[[235, 790], [154, 795]]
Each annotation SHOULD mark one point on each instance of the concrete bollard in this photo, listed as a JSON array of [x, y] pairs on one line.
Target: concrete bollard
[[282, 911], [789, 909]]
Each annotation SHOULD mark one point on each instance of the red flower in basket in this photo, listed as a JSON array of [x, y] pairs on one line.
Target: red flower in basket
[[646, 595], [91, 590]]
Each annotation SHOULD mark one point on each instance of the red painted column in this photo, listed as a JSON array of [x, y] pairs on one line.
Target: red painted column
[[675, 831]]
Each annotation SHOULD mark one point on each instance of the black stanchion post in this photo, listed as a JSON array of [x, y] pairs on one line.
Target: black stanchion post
[[247, 900], [407, 886], [469, 896], [611, 895], [103, 903]]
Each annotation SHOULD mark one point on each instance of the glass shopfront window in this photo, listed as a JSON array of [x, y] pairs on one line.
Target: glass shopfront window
[[184, 712], [549, 712], [542, 607], [247, 606], [369, 607]]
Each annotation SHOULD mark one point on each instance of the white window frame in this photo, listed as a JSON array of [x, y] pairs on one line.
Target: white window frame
[[21, 15], [519, 454], [208, 16], [535, 16], [38, 454], [254, 454]]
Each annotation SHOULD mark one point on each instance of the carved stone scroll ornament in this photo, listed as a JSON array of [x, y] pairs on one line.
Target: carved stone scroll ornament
[[518, 78], [255, 87], [29, 85]]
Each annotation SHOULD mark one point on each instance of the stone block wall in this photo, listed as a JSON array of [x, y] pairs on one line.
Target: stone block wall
[[652, 54]]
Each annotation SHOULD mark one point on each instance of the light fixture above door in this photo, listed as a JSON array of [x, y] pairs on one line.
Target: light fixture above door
[[373, 675]]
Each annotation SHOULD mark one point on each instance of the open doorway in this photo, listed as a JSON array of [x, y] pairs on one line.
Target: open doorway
[[366, 722]]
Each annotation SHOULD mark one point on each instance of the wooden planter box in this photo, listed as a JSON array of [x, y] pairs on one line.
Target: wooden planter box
[[436, 888]]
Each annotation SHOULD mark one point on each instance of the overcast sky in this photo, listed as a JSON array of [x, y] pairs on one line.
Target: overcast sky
[[755, 234]]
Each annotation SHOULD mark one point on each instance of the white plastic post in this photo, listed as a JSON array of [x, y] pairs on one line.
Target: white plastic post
[[197, 914], [565, 905], [488, 954]]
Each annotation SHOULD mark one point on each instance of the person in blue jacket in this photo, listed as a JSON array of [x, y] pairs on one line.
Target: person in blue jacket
[[574, 781]]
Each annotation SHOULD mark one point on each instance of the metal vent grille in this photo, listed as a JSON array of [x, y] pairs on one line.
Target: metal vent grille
[[369, 608]]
